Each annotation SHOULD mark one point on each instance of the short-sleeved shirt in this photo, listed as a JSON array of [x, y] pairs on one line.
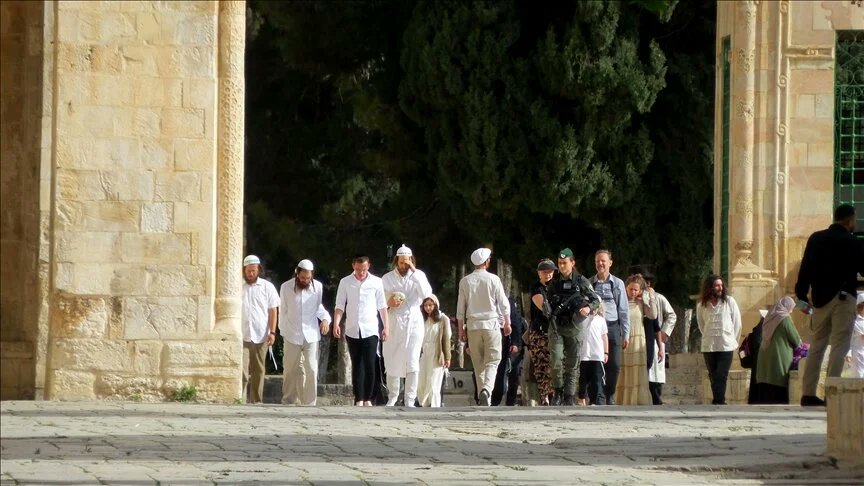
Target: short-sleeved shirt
[[592, 340], [258, 299], [539, 322]]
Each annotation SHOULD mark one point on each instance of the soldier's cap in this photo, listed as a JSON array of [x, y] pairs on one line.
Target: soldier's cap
[[566, 252]]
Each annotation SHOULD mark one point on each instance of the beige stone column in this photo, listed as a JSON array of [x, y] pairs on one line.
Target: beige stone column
[[744, 86], [229, 233], [845, 409]]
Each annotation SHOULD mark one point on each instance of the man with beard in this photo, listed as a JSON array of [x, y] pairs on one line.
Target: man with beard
[[302, 321], [258, 320], [719, 320], [405, 287]]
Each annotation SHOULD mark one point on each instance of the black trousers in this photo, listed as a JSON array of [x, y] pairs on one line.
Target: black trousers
[[613, 364], [507, 380], [656, 390], [718, 364], [591, 381], [363, 353]]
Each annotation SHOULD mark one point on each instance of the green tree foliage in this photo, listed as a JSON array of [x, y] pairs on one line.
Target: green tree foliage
[[531, 115], [452, 124]]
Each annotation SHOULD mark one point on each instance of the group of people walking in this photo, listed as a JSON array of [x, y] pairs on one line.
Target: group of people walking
[[598, 340], [590, 341]]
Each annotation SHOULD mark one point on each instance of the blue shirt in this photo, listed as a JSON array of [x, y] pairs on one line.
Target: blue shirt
[[614, 296]]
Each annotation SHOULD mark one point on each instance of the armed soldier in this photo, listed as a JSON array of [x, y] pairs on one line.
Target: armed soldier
[[571, 300]]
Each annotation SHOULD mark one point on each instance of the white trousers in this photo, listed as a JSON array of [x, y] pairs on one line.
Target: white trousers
[[393, 385], [300, 380]]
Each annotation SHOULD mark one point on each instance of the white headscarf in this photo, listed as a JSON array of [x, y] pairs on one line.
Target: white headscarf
[[780, 311]]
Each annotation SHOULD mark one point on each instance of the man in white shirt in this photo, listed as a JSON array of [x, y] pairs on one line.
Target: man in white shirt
[[405, 287], [361, 295], [302, 321], [719, 320], [481, 307], [260, 309]]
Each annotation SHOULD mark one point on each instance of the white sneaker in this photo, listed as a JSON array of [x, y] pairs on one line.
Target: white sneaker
[[391, 402]]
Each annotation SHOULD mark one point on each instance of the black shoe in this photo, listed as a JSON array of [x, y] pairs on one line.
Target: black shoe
[[485, 399], [569, 401], [811, 401], [610, 401], [718, 402]]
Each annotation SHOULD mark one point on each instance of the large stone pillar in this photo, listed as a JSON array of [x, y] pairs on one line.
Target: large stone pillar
[[229, 233], [744, 85]]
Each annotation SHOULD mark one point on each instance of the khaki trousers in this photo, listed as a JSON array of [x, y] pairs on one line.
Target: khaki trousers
[[300, 381], [254, 355], [485, 346], [830, 324]]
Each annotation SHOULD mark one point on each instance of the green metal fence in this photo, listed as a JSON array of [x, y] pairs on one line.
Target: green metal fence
[[849, 122]]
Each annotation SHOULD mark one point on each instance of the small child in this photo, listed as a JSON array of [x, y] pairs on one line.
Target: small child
[[593, 354], [856, 348]]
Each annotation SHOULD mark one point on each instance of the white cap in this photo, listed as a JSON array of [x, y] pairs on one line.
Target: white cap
[[404, 251], [480, 256], [251, 260], [860, 298], [305, 264]]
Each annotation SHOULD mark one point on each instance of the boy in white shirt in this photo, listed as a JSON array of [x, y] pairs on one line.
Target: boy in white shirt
[[593, 354]]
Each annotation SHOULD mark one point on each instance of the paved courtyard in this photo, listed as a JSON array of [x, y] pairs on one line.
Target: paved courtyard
[[173, 443]]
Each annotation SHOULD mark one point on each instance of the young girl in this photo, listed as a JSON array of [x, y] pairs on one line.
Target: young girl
[[435, 353], [593, 355]]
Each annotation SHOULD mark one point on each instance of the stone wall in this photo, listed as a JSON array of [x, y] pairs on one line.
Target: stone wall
[[781, 139], [21, 29], [142, 181]]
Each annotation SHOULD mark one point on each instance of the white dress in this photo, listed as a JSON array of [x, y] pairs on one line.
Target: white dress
[[431, 368], [402, 350]]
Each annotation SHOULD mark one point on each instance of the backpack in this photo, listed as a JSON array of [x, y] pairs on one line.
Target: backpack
[[744, 353], [748, 352]]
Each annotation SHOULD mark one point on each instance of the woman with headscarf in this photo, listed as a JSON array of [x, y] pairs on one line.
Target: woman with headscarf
[[779, 339]]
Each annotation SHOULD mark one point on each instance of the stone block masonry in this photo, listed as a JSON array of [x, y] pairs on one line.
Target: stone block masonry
[[128, 178]]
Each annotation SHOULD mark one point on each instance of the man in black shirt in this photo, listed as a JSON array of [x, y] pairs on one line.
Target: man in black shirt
[[831, 260]]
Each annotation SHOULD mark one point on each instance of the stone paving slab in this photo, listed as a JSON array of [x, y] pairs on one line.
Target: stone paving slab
[[170, 443]]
